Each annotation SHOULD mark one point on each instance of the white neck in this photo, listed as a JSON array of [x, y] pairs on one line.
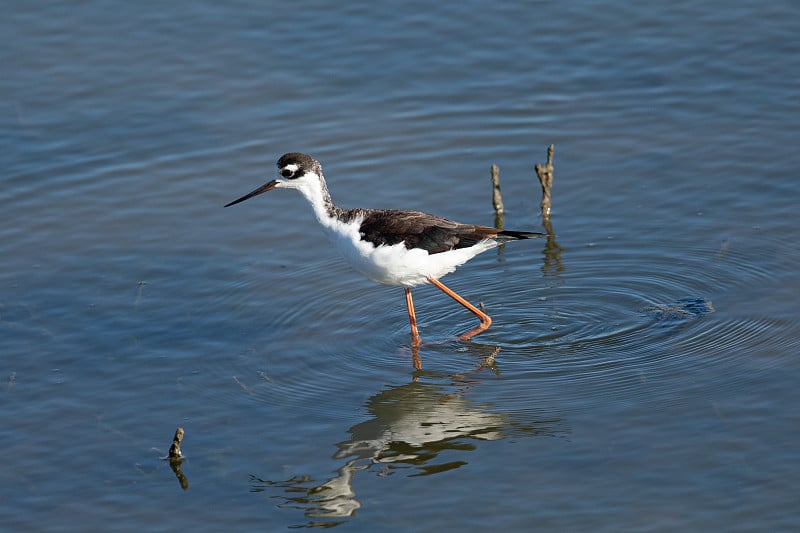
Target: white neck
[[314, 190]]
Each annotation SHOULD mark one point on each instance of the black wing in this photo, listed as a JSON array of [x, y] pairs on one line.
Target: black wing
[[419, 230]]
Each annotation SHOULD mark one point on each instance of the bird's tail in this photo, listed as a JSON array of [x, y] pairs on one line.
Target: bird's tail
[[509, 235]]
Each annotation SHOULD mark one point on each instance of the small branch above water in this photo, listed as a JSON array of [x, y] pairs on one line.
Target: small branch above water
[[497, 198], [545, 175], [175, 449]]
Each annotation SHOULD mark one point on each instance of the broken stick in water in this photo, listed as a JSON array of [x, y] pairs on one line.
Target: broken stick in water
[[497, 198], [175, 449], [545, 175]]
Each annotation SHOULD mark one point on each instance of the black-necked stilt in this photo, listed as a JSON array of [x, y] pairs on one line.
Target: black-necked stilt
[[391, 246]]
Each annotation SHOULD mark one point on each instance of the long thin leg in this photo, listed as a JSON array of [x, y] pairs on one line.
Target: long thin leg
[[485, 319], [412, 318]]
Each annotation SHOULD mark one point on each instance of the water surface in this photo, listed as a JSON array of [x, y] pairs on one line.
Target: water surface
[[641, 370]]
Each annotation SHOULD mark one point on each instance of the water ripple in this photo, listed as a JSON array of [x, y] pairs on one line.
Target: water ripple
[[616, 314]]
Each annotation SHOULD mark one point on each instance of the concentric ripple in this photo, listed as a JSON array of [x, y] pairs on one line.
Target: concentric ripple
[[618, 313], [615, 314]]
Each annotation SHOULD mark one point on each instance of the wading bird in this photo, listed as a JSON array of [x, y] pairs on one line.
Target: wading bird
[[392, 246]]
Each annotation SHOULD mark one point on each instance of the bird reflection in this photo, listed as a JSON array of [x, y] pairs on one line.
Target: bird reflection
[[410, 426]]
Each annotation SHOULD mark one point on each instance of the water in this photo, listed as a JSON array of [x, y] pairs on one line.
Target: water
[[645, 359]]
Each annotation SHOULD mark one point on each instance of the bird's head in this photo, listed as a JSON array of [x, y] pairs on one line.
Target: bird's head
[[295, 171]]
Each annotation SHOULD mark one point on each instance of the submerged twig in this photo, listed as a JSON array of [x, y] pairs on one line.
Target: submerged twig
[[175, 458], [552, 250]]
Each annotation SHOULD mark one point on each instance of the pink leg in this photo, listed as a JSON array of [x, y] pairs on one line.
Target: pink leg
[[415, 340], [485, 320], [412, 318]]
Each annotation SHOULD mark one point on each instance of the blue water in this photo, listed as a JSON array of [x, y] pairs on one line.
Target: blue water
[[641, 372]]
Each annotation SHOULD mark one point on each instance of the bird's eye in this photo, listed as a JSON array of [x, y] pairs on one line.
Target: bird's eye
[[286, 173]]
